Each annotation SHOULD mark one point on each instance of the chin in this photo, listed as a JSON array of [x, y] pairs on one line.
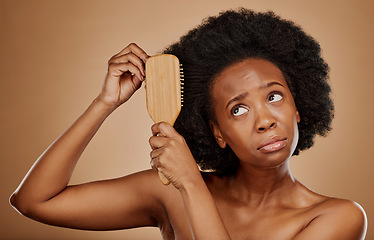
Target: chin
[[274, 160], [268, 160]]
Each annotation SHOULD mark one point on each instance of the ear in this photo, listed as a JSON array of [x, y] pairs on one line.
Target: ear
[[217, 134], [297, 116]]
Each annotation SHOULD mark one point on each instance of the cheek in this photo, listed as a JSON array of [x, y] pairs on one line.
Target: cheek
[[238, 136], [286, 117], [295, 139], [289, 122]]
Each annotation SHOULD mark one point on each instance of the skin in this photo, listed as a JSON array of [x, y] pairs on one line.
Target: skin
[[253, 107]]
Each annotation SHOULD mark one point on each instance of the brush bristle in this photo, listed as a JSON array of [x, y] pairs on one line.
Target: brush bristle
[[181, 82]]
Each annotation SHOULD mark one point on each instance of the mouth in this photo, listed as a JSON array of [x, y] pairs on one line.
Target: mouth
[[272, 144]]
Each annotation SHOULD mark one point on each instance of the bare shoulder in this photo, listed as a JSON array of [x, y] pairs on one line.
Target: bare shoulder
[[337, 205], [348, 211], [336, 218], [326, 206]]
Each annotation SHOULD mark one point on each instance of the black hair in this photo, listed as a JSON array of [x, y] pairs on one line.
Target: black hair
[[233, 36]]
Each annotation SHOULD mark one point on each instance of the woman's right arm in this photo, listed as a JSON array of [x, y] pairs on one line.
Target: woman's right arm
[[44, 194]]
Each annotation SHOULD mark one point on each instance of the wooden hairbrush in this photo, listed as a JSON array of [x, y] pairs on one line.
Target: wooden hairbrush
[[164, 80]]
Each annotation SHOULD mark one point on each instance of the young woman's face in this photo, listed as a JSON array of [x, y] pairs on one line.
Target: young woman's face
[[255, 113]]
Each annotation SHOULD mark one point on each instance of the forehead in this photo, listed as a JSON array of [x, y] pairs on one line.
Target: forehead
[[246, 75]]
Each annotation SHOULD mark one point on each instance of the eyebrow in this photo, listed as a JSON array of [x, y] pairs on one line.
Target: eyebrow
[[269, 84], [237, 98], [243, 95]]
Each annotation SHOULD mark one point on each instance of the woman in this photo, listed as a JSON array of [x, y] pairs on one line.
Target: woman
[[255, 94]]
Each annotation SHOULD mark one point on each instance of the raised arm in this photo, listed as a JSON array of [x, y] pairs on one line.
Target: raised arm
[[173, 158], [44, 194]]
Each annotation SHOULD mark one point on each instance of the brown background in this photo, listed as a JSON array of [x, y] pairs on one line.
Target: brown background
[[53, 61]]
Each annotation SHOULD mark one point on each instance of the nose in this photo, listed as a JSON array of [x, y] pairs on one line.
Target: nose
[[264, 119]]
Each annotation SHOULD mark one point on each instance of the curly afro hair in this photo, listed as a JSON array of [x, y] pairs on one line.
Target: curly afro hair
[[233, 36]]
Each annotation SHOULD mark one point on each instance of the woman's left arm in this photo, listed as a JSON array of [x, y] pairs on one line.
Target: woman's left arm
[[171, 156], [340, 220]]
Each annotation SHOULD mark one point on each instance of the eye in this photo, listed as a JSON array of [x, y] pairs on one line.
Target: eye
[[239, 110], [275, 97]]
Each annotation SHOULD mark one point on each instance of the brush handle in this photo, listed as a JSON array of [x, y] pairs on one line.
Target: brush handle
[[163, 179]]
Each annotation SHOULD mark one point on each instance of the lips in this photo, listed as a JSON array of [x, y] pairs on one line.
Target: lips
[[272, 144]]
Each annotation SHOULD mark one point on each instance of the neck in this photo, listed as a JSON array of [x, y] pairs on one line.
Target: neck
[[262, 186]]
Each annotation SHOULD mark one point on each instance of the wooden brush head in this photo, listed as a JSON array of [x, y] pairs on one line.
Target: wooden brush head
[[163, 88]]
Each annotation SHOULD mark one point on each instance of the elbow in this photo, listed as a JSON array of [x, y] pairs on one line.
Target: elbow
[[18, 205], [13, 202]]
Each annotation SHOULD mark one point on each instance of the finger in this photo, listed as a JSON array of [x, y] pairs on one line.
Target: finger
[[154, 163], [157, 142], [132, 47], [118, 69], [129, 57], [163, 128], [156, 153], [136, 82]]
